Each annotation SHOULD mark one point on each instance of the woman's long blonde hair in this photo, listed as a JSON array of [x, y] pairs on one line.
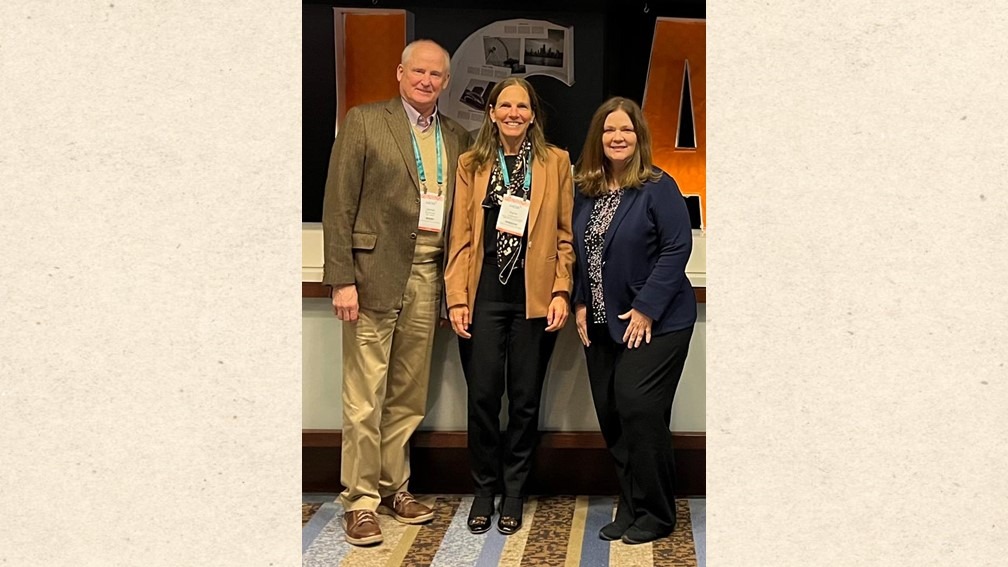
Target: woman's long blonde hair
[[593, 170], [487, 141]]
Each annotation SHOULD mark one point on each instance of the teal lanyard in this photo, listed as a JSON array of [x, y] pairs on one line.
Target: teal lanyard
[[419, 162], [507, 178]]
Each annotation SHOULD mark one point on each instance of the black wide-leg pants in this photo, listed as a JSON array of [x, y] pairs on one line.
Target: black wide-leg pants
[[507, 352], [633, 391]]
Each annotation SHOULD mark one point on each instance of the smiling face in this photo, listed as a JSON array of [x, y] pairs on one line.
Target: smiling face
[[423, 76], [512, 114], [619, 140]]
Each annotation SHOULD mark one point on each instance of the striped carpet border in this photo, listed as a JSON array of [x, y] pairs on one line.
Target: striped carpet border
[[427, 542], [677, 550], [315, 523], [560, 531], [577, 529], [698, 517], [550, 526], [514, 545], [595, 551]]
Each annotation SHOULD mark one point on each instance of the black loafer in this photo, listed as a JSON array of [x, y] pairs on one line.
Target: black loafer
[[480, 513], [478, 524], [613, 531], [510, 520], [635, 535]]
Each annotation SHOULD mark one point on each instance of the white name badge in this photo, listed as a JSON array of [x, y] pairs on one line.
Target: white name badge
[[431, 212], [513, 214]]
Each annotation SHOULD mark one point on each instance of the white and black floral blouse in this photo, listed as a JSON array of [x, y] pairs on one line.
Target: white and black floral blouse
[[601, 216]]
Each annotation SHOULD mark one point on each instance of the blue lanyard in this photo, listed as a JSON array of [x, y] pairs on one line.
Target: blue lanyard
[[419, 162], [507, 178]]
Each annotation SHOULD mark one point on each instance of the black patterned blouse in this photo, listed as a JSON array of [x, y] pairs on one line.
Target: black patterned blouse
[[602, 214]]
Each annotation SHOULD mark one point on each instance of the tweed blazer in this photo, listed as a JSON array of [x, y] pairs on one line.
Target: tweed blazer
[[549, 258], [372, 201]]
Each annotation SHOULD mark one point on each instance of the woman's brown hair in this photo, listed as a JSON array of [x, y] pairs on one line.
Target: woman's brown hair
[[488, 139], [593, 169]]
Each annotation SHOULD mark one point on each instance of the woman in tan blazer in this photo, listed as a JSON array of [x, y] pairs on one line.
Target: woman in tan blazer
[[508, 282]]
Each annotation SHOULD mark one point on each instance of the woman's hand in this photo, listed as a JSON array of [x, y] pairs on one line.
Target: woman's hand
[[638, 329], [581, 320], [459, 317], [557, 314]]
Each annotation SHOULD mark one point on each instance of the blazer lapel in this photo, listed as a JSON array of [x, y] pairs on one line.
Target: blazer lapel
[[538, 188], [395, 117], [626, 202], [481, 180]]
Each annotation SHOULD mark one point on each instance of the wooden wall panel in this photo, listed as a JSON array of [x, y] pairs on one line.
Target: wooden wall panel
[[565, 463], [373, 44], [675, 42]]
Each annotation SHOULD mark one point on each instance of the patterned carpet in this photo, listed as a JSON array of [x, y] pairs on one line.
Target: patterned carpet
[[559, 531]]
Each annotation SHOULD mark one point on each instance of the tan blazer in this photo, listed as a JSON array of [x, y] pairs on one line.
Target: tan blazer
[[372, 201], [550, 255]]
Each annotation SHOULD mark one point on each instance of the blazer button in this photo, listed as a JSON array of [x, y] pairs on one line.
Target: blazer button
[[412, 236], [418, 201]]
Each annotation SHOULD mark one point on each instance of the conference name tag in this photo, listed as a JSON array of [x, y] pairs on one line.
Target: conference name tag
[[513, 214], [431, 212]]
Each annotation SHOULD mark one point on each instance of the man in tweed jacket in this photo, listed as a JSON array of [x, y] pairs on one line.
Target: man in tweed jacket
[[387, 205]]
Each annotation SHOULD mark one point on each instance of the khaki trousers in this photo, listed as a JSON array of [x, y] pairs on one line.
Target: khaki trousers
[[386, 368]]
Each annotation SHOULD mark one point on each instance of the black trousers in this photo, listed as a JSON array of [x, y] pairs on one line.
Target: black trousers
[[507, 352], [633, 391]]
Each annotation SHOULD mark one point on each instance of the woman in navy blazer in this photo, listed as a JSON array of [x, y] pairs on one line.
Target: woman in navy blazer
[[634, 310]]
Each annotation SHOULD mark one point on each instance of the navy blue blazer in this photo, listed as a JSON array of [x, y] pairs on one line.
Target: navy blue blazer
[[644, 256]]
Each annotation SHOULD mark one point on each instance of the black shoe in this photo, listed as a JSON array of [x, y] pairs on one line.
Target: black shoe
[[510, 520], [613, 531], [635, 535], [480, 514]]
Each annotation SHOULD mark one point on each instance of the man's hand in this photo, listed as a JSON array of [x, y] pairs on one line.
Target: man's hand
[[344, 302]]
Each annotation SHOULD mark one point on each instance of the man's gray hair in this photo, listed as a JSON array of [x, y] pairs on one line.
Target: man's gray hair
[[407, 52]]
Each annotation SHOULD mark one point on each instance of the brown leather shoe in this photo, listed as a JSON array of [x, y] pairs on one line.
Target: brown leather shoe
[[403, 507], [361, 527]]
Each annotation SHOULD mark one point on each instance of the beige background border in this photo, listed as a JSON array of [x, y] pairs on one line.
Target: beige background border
[[150, 328], [150, 389], [856, 393]]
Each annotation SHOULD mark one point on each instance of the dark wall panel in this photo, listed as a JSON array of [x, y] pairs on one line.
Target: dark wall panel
[[318, 105], [611, 50]]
